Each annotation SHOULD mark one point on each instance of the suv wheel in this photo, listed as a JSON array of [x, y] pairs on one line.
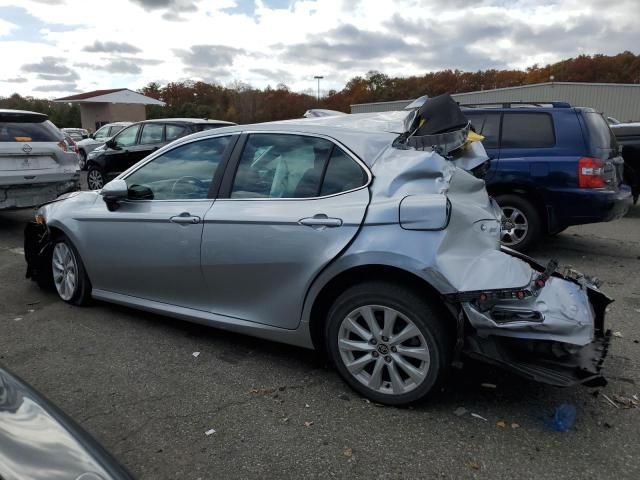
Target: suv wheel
[[69, 277], [521, 225], [387, 342], [95, 178]]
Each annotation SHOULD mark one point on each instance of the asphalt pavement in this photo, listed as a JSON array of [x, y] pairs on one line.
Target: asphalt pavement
[[133, 381]]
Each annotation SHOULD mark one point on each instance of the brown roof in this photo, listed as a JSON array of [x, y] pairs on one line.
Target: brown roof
[[95, 93]]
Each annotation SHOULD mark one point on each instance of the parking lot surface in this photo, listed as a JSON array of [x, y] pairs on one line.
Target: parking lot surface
[[132, 380]]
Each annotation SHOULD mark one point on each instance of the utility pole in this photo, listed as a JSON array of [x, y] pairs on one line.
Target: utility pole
[[318, 77]]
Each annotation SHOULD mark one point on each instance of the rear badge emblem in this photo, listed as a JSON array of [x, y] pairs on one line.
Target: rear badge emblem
[[26, 148]]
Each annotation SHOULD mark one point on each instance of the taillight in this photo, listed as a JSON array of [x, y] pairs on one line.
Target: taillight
[[591, 173], [63, 145]]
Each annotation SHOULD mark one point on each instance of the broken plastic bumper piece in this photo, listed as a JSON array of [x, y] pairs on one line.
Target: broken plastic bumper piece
[[551, 330]]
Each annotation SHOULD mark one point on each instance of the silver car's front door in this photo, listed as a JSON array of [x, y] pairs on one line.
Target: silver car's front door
[[263, 246], [149, 247]]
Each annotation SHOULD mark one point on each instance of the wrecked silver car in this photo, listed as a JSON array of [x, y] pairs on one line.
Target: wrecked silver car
[[39, 442], [365, 236], [36, 164]]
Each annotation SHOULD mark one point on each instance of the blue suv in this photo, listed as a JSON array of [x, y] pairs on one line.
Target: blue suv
[[551, 166]]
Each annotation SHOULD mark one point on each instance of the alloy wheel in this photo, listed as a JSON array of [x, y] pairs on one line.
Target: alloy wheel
[[65, 271], [514, 226], [383, 349], [95, 180]]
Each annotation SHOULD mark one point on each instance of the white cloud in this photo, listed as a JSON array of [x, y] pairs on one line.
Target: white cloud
[[335, 38], [6, 27]]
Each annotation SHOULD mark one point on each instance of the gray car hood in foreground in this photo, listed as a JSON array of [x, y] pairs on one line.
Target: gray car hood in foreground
[[38, 441]]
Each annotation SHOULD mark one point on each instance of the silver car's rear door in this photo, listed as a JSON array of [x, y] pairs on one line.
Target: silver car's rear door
[[293, 203]]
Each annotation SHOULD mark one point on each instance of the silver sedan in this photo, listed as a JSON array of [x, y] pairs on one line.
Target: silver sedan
[[325, 233]]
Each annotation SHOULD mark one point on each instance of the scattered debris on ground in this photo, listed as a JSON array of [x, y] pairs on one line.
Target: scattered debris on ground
[[209, 432], [308, 424], [460, 411], [475, 415], [196, 354], [489, 385]]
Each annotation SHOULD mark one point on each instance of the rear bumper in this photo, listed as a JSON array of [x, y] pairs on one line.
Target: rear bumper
[[23, 195], [577, 206], [561, 350]]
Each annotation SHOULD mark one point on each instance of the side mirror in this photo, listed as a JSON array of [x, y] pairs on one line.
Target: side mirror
[[114, 191], [111, 144]]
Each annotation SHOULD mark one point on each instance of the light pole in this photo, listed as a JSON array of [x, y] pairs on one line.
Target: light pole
[[318, 77]]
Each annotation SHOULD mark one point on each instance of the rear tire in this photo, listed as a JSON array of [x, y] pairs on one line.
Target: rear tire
[[69, 277], [521, 223], [388, 343]]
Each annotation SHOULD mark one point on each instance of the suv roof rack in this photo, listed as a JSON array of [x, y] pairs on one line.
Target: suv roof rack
[[518, 104]]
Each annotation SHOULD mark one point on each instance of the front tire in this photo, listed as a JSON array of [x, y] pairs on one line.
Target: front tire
[[521, 224], [388, 343], [69, 276], [95, 178], [82, 163]]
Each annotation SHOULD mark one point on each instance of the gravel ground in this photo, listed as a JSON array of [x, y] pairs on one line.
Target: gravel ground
[[278, 412]]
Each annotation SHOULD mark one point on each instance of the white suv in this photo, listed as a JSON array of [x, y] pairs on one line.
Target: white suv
[[35, 165]]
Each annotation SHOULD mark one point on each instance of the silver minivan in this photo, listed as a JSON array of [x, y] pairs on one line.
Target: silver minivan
[[348, 234], [36, 164]]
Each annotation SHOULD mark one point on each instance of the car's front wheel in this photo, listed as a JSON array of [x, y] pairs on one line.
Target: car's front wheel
[[95, 178], [82, 163], [69, 276], [387, 342]]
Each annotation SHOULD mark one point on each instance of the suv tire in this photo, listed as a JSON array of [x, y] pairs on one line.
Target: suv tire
[[388, 343], [521, 224]]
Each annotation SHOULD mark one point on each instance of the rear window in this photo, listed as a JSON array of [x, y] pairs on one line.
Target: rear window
[[599, 133], [174, 131], [29, 132], [527, 130]]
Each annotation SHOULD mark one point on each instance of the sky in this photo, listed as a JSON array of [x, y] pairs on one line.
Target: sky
[[54, 48]]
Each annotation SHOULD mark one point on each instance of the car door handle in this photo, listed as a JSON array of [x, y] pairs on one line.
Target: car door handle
[[185, 218], [321, 220]]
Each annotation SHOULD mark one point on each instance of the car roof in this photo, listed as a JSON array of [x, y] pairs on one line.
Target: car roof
[[365, 134], [188, 120], [9, 110]]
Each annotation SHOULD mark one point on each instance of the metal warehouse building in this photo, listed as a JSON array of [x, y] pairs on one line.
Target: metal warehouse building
[[621, 101]]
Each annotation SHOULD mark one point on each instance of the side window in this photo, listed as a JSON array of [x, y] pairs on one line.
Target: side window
[[184, 173], [527, 130], [487, 125], [151, 133], [114, 130], [127, 137], [102, 133], [343, 174], [174, 131], [281, 166]]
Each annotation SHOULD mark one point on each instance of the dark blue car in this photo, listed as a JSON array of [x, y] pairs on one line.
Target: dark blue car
[[552, 166]]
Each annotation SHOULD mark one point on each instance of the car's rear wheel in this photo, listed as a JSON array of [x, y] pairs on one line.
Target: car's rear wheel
[[95, 178], [82, 163], [69, 276], [388, 343], [521, 225]]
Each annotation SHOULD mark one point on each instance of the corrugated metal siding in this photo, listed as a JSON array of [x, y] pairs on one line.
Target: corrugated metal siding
[[619, 101]]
